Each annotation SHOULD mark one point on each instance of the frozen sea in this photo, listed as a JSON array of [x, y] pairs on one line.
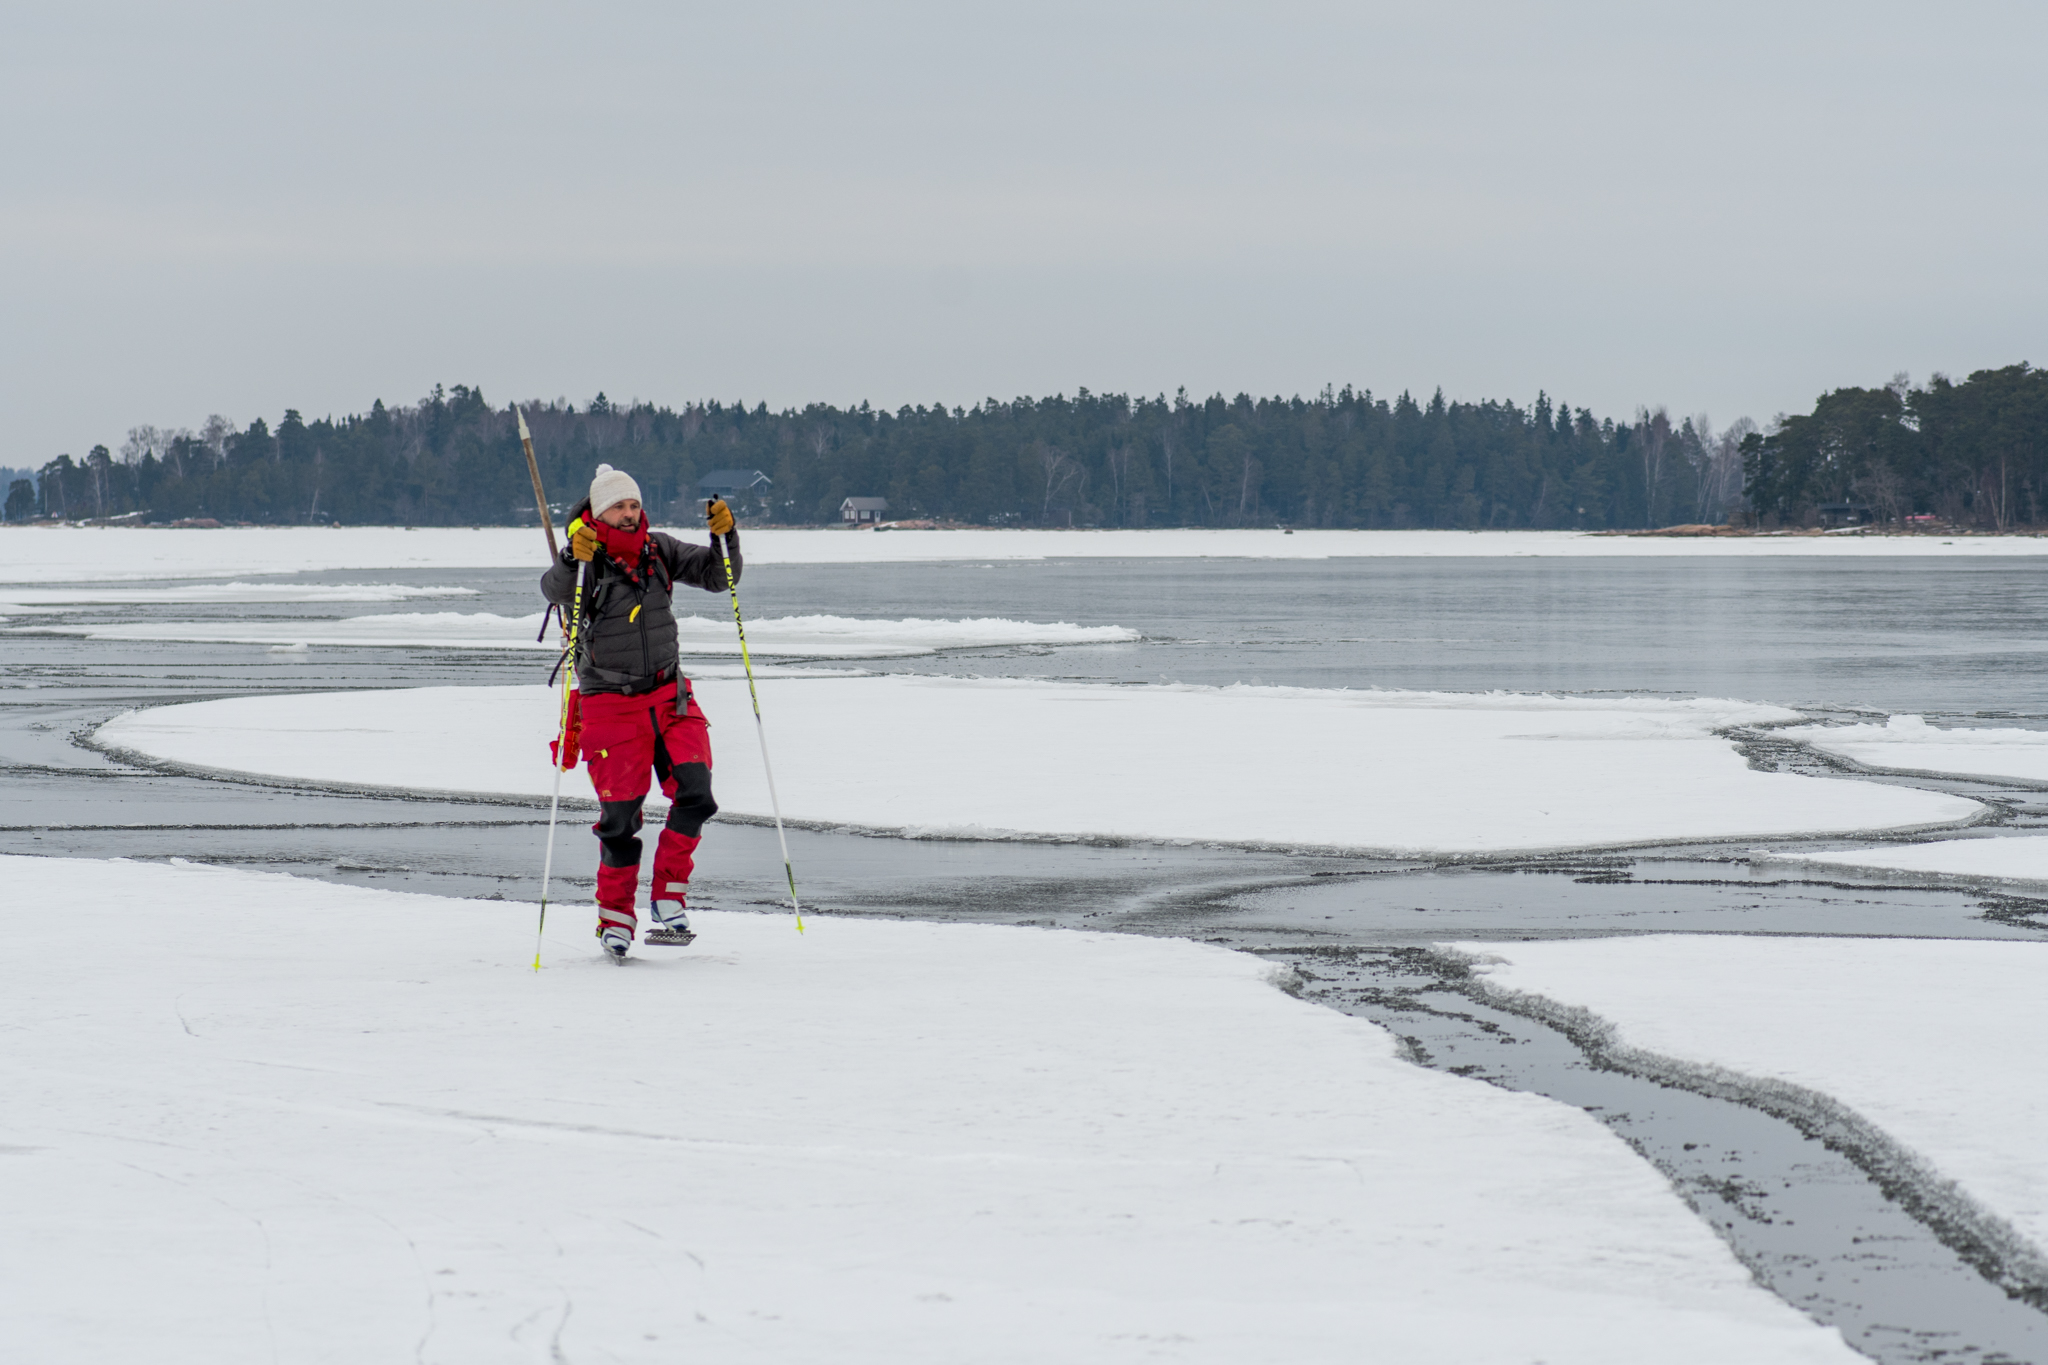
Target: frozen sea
[[1893, 635], [1941, 638], [1843, 638]]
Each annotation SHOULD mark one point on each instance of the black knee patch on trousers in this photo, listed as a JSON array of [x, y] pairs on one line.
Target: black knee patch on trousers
[[616, 846], [692, 804]]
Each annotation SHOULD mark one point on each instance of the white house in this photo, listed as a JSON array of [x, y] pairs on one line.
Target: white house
[[859, 510]]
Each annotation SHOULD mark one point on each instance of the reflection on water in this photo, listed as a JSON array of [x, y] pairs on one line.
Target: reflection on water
[[1951, 637], [1956, 637]]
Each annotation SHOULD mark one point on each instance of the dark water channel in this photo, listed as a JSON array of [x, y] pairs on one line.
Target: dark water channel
[[1815, 1218]]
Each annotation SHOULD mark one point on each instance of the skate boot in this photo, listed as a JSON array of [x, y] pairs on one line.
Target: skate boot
[[616, 940], [671, 927]]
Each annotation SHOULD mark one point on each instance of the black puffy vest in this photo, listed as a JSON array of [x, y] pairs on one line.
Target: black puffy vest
[[626, 636]]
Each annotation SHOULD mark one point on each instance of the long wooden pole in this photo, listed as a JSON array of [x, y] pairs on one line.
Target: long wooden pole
[[540, 497]]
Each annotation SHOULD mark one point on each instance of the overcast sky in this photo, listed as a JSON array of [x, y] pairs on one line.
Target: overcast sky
[[1726, 208]]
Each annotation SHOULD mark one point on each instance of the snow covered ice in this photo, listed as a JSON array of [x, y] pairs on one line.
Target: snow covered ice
[[1936, 1043], [813, 636], [2015, 860], [1910, 744], [939, 756], [278, 1119], [250, 594]]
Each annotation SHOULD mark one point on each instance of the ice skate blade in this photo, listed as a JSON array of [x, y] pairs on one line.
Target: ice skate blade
[[669, 938]]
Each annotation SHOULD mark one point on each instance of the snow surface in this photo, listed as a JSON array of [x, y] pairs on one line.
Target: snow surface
[[83, 553], [1910, 744], [840, 637], [273, 1119], [1937, 1042], [230, 593], [1295, 767], [2018, 860]]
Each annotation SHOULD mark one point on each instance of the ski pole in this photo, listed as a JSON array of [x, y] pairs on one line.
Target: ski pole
[[760, 730], [561, 758]]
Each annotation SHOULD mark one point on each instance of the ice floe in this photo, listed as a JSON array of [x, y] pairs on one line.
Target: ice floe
[[1910, 744], [278, 1119], [438, 629], [2014, 860], [1929, 1049], [1292, 767], [260, 594], [839, 637], [88, 554]]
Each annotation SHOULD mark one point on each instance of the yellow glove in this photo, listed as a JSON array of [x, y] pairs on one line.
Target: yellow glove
[[582, 541], [720, 517]]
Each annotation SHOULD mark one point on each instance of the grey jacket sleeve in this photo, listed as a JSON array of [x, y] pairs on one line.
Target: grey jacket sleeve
[[699, 565], [558, 584]]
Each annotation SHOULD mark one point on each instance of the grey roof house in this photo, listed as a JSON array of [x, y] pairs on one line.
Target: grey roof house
[[858, 510]]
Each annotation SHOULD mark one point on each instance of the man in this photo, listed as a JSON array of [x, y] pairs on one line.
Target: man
[[637, 710]]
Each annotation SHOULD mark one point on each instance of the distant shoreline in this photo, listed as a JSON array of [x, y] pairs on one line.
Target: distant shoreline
[[1685, 532], [70, 555]]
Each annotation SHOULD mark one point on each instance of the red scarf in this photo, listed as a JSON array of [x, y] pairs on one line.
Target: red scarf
[[623, 546]]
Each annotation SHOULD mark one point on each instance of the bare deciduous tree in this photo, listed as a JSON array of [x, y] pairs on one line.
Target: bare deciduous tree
[[1653, 438], [1883, 490], [1720, 487], [1166, 447], [214, 436], [99, 461], [1119, 461], [143, 441], [1059, 472]]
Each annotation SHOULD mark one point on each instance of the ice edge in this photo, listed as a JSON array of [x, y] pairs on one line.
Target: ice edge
[[1987, 882], [113, 748], [1991, 1245]]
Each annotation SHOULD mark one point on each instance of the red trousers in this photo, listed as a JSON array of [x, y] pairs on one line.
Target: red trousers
[[629, 742]]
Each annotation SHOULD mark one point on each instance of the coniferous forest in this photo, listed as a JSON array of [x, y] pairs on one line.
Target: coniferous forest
[[1973, 453]]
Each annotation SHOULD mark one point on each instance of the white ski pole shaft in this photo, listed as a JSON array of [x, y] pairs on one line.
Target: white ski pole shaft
[[775, 804], [548, 866], [547, 870]]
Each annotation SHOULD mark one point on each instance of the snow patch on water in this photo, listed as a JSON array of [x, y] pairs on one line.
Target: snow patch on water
[[1282, 767], [786, 636], [224, 593], [1909, 744], [2014, 860], [74, 554]]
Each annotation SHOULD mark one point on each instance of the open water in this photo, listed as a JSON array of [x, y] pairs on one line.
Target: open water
[[1946, 639]]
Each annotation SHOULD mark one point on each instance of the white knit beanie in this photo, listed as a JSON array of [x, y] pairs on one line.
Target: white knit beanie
[[609, 487]]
